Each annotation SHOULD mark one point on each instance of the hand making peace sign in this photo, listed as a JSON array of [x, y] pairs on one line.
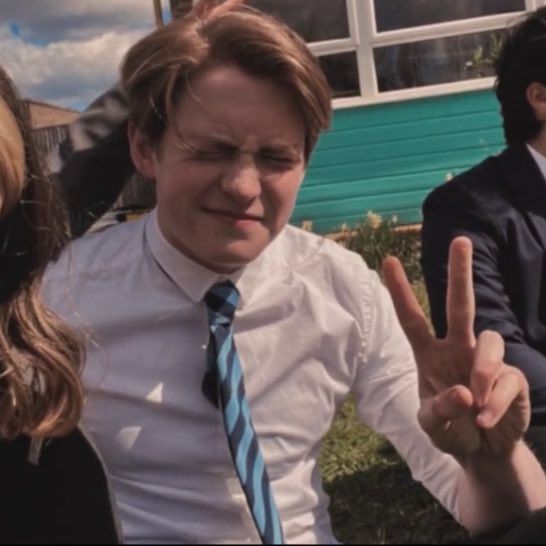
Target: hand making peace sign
[[472, 402]]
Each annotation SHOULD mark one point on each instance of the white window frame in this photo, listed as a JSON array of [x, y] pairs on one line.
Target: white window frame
[[363, 38]]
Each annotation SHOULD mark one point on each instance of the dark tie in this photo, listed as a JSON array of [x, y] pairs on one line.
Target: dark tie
[[224, 386]]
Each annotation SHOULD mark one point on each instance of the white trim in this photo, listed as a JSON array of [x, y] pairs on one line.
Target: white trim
[[351, 14], [333, 46], [445, 30], [365, 17], [415, 93]]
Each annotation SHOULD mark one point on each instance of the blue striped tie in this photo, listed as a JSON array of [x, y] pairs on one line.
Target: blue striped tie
[[224, 380]]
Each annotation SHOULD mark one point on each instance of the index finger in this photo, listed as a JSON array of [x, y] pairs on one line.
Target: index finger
[[408, 310], [460, 304]]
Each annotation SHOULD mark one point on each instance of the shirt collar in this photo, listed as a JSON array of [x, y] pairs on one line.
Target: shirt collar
[[194, 279], [540, 160]]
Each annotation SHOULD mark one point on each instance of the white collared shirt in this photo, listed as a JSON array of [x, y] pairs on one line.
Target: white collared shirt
[[540, 160], [313, 325]]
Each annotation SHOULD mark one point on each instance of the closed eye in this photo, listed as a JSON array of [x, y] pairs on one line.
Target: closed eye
[[216, 155], [277, 160], [220, 153]]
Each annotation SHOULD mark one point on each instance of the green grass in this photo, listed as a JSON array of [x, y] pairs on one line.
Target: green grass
[[374, 499]]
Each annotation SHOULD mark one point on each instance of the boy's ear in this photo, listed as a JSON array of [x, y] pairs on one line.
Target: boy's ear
[[536, 96], [142, 151]]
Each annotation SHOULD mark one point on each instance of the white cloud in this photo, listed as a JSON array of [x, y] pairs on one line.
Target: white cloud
[[45, 20], [65, 72], [68, 51]]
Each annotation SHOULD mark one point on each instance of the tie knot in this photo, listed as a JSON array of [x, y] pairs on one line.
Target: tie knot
[[221, 300]]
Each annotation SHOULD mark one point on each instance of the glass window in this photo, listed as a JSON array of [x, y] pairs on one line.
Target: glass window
[[341, 70], [398, 14], [179, 7], [314, 20], [437, 61]]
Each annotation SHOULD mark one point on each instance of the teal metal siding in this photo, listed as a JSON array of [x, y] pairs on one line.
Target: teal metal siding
[[387, 158]]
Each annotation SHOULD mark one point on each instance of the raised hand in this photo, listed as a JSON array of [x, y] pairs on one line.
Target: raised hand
[[472, 402]]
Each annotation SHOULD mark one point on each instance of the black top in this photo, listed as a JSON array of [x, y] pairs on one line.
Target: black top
[[64, 499]]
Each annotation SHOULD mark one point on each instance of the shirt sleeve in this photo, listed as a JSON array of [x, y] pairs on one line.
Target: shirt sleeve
[[387, 398]]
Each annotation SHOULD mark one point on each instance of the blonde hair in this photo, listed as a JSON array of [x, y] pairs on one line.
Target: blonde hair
[[156, 71], [40, 388], [12, 160]]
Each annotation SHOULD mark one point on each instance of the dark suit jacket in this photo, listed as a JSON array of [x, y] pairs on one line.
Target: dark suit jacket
[[501, 205]]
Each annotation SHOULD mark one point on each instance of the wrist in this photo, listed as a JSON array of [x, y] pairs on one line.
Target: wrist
[[502, 487], [489, 462]]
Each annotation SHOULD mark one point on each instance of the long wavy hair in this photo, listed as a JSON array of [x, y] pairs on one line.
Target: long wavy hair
[[40, 387]]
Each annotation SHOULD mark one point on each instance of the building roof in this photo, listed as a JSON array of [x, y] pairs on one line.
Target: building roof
[[44, 115]]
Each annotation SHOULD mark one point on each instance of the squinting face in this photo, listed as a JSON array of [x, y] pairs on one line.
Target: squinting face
[[229, 188]]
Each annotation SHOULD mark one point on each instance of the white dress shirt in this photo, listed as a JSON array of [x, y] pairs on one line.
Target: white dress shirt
[[539, 158], [313, 325]]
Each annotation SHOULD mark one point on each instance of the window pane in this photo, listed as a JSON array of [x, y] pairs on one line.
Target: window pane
[[437, 61], [341, 70], [314, 20], [397, 14]]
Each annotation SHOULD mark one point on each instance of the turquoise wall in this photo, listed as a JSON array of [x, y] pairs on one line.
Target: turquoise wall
[[387, 158]]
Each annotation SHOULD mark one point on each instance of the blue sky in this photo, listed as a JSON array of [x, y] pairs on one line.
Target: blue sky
[[68, 51]]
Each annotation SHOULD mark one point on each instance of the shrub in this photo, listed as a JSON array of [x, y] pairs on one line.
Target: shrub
[[374, 239]]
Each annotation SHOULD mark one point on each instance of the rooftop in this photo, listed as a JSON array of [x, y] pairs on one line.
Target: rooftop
[[44, 115]]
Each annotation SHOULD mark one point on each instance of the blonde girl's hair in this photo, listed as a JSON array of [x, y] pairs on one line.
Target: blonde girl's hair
[[40, 388]]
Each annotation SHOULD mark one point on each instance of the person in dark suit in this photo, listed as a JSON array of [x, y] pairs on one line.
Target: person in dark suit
[[500, 205]]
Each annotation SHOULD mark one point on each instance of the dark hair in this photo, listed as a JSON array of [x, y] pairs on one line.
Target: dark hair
[[157, 69], [40, 389], [521, 62]]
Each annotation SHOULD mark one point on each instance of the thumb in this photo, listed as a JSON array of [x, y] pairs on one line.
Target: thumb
[[437, 413]]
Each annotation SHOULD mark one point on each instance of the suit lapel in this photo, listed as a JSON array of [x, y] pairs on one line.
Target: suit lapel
[[527, 188]]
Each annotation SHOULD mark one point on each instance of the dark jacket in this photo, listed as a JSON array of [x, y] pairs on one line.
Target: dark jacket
[[60, 497], [501, 205], [94, 163]]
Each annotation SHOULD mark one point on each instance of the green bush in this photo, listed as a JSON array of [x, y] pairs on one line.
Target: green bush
[[374, 239]]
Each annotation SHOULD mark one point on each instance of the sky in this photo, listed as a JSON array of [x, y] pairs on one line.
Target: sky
[[67, 52]]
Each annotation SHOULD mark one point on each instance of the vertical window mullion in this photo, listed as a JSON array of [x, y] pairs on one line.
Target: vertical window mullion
[[364, 12], [353, 23]]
